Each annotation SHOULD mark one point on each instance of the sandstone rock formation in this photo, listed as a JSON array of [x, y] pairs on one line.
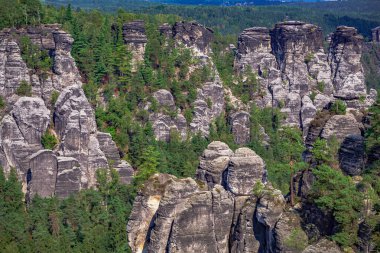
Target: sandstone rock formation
[[209, 103], [193, 35], [135, 39], [240, 124], [344, 56], [376, 34], [13, 69], [323, 246], [297, 75], [163, 123], [81, 150], [184, 215]]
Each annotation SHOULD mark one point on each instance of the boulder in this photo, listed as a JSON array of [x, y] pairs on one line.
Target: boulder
[[323, 246], [32, 118], [289, 236], [165, 99], [68, 177], [245, 169], [341, 126], [213, 163], [241, 127], [42, 174]]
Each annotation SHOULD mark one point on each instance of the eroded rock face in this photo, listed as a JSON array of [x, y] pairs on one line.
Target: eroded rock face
[[292, 43], [193, 35], [254, 50], [344, 56], [144, 208], [297, 75], [213, 163], [352, 155], [20, 134], [246, 168], [135, 39], [376, 34], [208, 105], [13, 69], [32, 118], [74, 122], [72, 164], [241, 127], [323, 246], [246, 233], [42, 174], [164, 124], [288, 234], [340, 127], [68, 177], [183, 215]]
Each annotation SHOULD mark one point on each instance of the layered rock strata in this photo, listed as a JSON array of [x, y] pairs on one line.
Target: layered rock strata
[[297, 75], [212, 213], [81, 149], [135, 38]]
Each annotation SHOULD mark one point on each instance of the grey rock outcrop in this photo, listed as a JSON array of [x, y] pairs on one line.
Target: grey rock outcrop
[[193, 35], [347, 71], [341, 126], [297, 75], [164, 124], [135, 39], [184, 215], [323, 246], [72, 164], [213, 163], [208, 105], [246, 168], [241, 127], [68, 177], [13, 69], [20, 134], [288, 234], [246, 232], [75, 125], [352, 155], [254, 50], [344, 130], [376, 34], [42, 174]]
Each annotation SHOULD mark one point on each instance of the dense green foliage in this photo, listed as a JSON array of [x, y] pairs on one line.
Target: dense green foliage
[[48, 140], [91, 221], [25, 89], [338, 107], [336, 192], [21, 12], [35, 58]]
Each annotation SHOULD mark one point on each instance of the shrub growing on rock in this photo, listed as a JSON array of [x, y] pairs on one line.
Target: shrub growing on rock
[[339, 107], [48, 140], [24, 90]]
